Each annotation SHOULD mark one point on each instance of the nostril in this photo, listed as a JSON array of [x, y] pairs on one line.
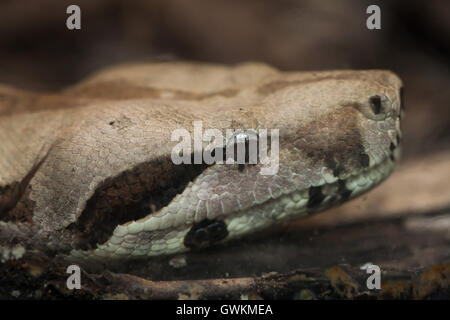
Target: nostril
[[375, 104]]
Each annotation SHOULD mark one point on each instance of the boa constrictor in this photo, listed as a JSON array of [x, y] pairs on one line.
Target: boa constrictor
[[87, 172]]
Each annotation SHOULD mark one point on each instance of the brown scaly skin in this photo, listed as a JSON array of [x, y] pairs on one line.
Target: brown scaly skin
[[74, 165]]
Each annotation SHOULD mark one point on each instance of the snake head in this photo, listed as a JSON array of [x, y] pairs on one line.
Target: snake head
[[338, 136], [96, 178]]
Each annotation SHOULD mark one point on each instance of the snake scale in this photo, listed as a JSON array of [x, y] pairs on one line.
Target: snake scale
[[87, 173]]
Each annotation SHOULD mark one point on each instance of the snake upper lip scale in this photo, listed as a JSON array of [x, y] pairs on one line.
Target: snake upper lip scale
[[87, 173]]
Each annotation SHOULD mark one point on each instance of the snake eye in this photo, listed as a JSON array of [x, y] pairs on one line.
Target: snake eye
[[243, 148]]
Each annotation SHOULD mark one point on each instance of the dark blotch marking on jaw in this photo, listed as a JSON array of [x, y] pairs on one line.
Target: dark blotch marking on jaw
[[205, 233], [343, 191], [337, 171], [364, 159], [392, 147], [315, 197], [333, 165]]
